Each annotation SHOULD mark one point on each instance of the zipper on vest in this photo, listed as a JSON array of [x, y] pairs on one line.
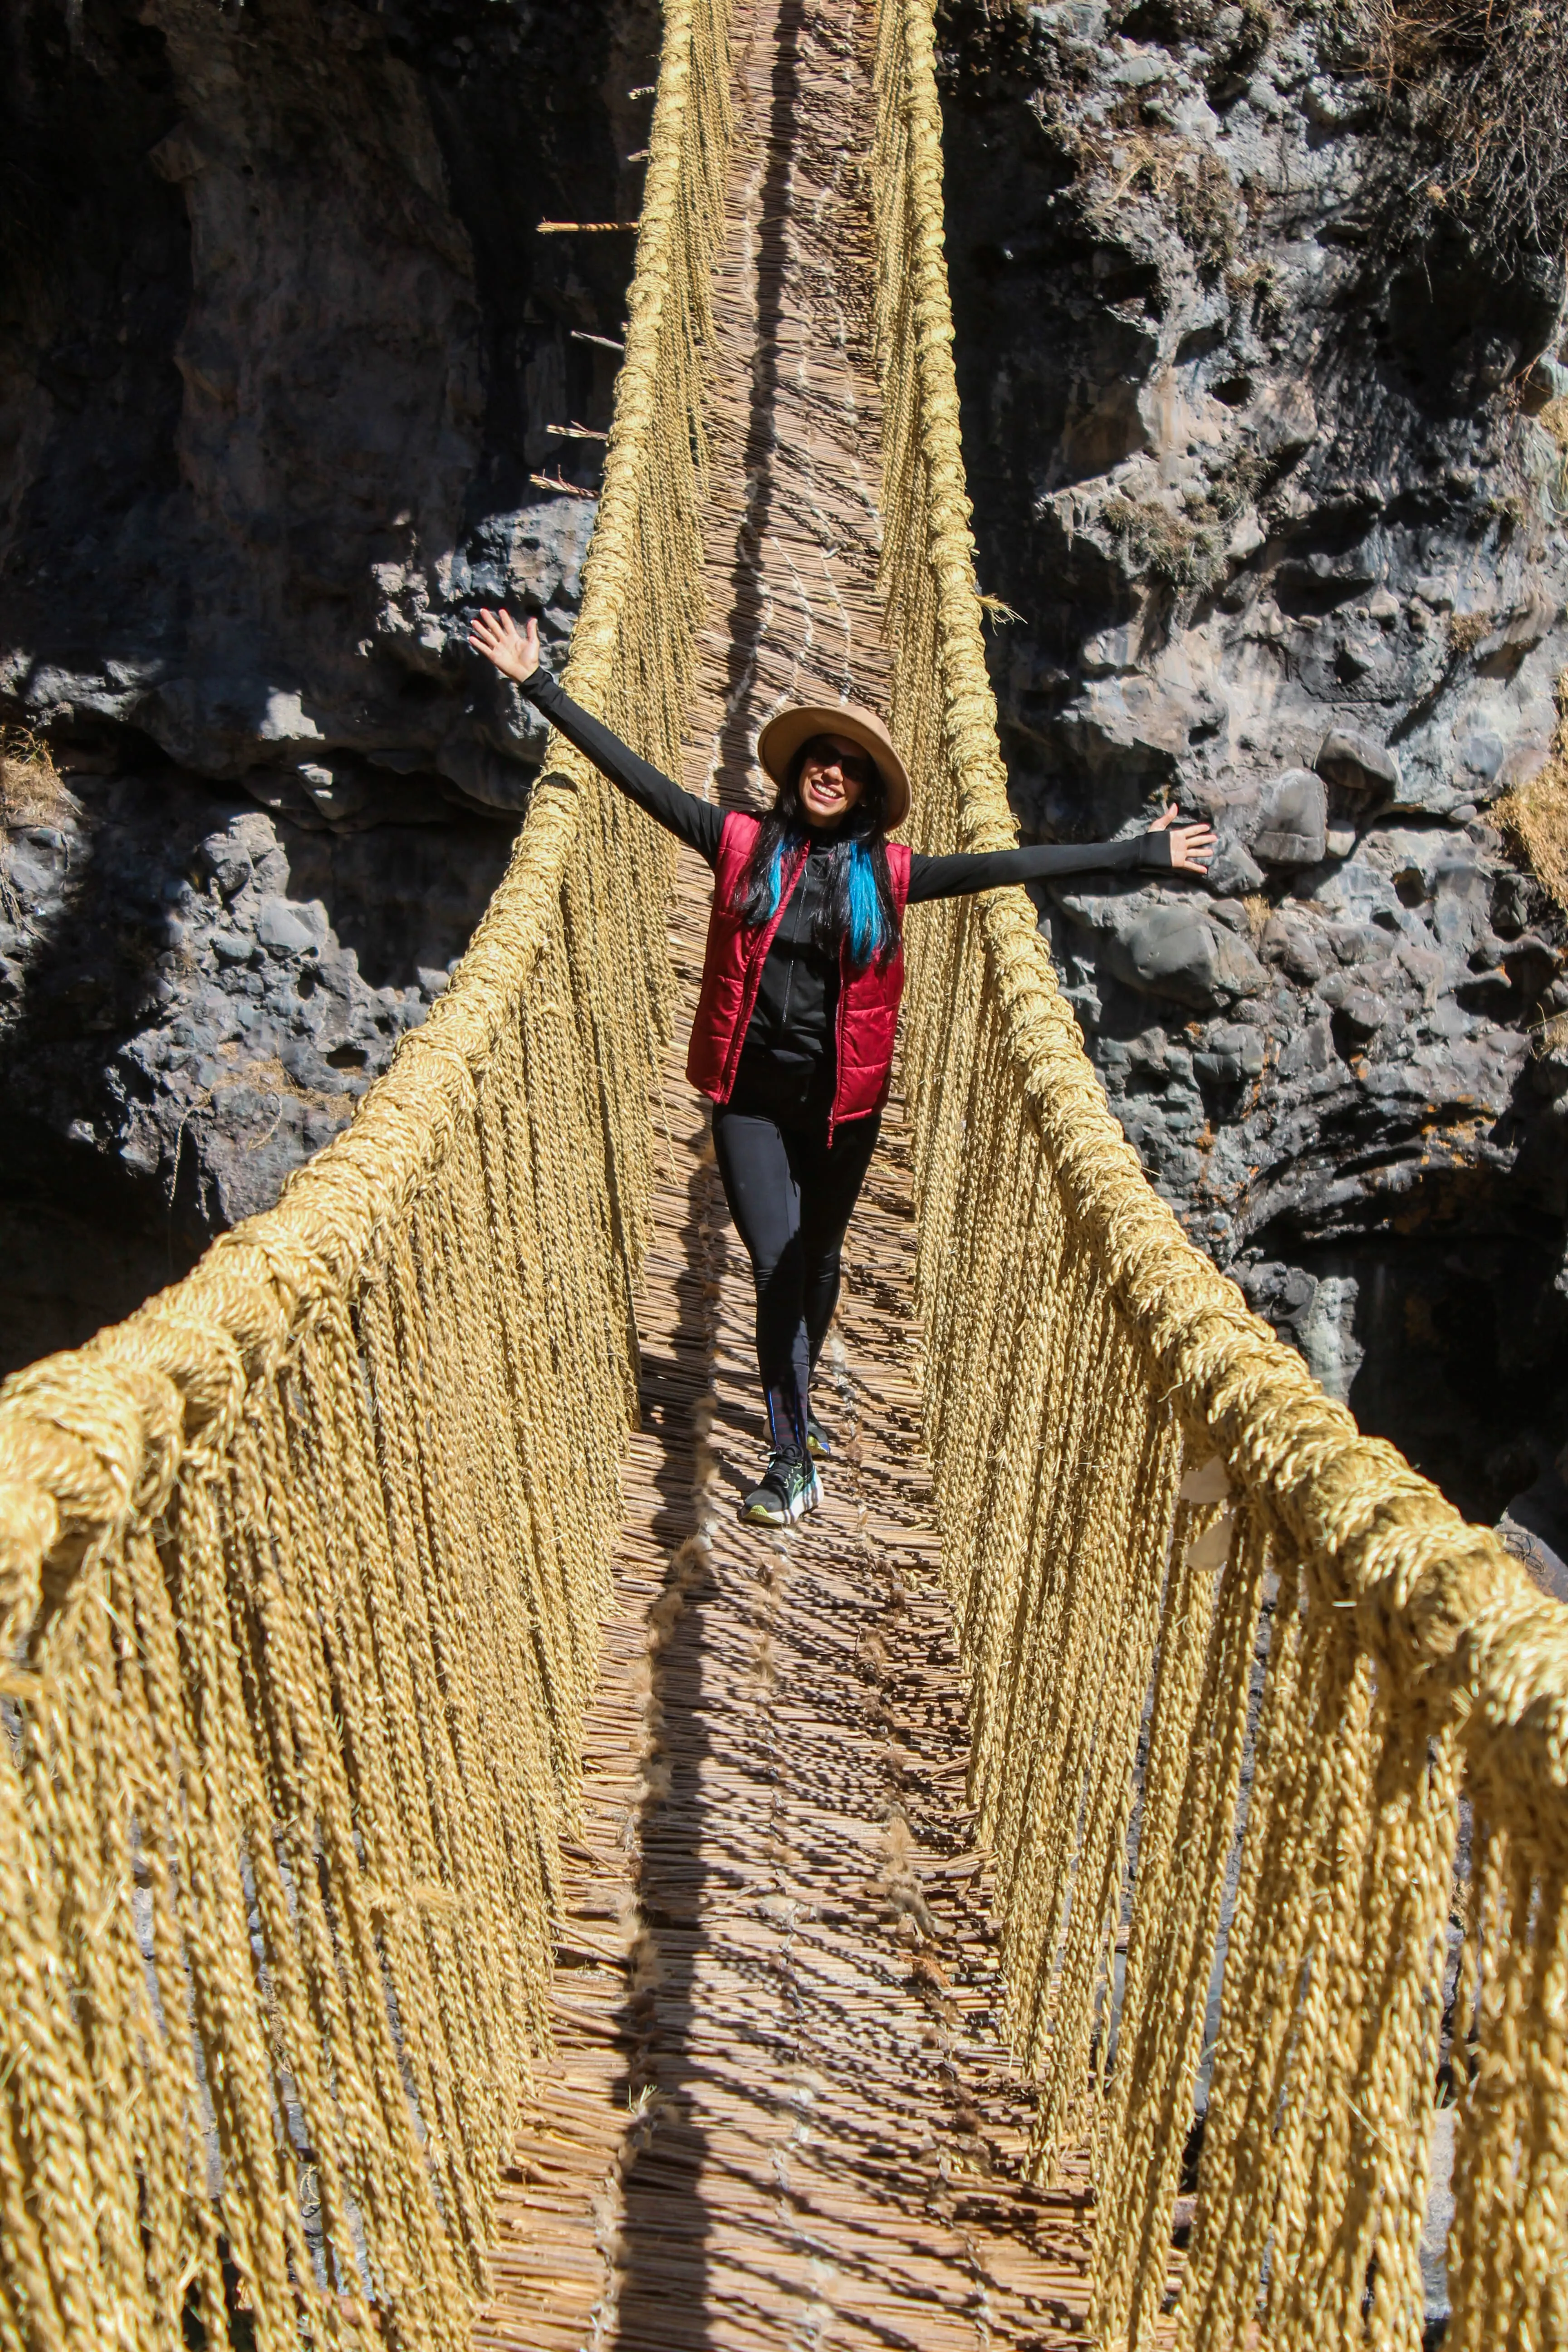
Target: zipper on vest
[[838, 1021], [805, 932], [804, 886]]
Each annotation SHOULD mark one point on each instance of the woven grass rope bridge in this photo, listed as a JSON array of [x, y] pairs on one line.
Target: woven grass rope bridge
[[455, 1890]]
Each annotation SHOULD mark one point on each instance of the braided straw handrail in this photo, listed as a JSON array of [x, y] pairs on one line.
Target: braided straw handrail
[[1440, 1594], [1440, 1657], [301, 1567], [239, 1305]]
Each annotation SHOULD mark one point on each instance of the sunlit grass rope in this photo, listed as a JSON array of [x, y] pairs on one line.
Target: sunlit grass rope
[[302, 1569], [1145, 1499]]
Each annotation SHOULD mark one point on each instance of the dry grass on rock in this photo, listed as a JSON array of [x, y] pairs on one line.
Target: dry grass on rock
[[1553, 417], [1535, 816], [32, 790], [1165, 545], [1485, 80]]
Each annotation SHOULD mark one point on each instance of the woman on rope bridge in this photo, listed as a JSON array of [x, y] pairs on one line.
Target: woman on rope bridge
[[799, 1003]]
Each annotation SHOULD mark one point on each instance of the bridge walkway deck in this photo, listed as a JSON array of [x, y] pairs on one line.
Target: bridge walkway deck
[[781, 2112]]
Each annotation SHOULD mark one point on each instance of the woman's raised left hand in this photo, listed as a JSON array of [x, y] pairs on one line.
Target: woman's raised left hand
[[514, 652], [1191, 845]]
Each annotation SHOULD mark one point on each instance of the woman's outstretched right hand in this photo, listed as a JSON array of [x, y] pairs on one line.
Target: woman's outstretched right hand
[[1191, 845], [514, 652]]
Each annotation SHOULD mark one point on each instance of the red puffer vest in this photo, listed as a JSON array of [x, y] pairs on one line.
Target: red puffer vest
[[732, 973]]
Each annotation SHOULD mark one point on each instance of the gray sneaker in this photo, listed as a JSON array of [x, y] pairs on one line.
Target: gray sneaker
[[788, 1490], [818, 1444]]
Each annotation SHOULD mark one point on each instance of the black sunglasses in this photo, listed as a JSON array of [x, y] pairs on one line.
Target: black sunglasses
[[852, 766]]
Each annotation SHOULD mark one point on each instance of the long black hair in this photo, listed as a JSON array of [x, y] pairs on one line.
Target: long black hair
[[858, 907]]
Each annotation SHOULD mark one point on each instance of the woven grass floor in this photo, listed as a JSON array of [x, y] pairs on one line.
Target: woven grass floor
[[780, 2113]]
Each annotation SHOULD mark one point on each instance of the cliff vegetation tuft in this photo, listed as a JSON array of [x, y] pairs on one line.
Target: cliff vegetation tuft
[[1487, 81]]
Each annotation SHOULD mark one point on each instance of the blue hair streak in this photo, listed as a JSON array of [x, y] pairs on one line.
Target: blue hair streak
[[775, 881], [864, 907]]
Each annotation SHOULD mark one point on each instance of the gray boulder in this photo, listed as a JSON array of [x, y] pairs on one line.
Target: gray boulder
[[1295, 821], [1234, 872], [1231, 1054], [1361, 1015], [1293, 942], [1307, 1053], [290, 931], [1176, 951], [1358, 766]]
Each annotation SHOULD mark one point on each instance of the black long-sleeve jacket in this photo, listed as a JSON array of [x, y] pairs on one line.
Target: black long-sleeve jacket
[[798, 995]]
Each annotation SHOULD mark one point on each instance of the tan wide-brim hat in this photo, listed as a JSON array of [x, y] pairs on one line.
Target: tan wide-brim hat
[[787, 733]]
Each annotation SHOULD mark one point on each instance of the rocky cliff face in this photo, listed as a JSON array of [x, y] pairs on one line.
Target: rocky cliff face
[[1267, 482], [281, 352]]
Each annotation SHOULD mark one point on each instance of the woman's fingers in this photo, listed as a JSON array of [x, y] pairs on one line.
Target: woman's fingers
[[496, 636], [1193, 847]]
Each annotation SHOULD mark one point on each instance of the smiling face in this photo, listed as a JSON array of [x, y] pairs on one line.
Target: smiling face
[[834, 773]]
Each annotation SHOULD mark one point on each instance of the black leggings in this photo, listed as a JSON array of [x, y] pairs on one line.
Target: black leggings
[[791, 1193]]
